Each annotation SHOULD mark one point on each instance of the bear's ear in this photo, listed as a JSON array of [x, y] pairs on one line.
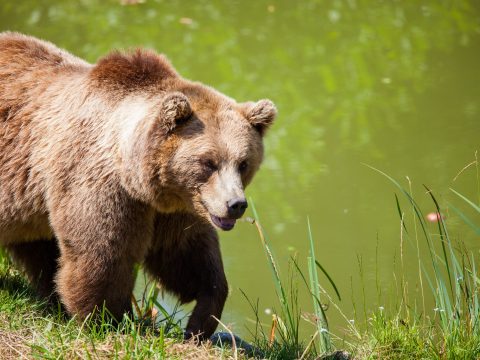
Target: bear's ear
[[260, 114], [174, 111]]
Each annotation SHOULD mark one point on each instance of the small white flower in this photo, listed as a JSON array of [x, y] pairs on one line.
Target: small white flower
[[436, 309], [381, 308], [323, 330], [268, 311]]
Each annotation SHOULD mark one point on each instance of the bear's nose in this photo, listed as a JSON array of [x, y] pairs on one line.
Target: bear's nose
[[236, 207]]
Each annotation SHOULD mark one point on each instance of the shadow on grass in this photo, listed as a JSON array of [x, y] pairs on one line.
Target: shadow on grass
[[16, 291]]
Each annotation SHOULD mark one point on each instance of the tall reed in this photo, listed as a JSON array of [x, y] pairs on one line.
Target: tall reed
[[450, 273], [288, 320]]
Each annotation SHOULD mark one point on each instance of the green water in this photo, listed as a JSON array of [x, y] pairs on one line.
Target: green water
[[388, 83]]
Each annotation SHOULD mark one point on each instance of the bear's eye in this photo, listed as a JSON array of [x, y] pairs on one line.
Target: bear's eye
[[210, 165], [243, 166]]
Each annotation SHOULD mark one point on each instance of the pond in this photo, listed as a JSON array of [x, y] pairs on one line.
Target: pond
[[395, 85]]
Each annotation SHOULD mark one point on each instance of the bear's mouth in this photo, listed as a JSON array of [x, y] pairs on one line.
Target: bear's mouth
[[223, 223]]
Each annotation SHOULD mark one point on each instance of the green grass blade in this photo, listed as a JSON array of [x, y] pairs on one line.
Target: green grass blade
[[300, 272], [476, 305], [468, 201], [322, 324], [258, 328], [281, 294], [465, 219], [458, 273], [400, 213], [419, 215], [329, 279], [443, 237], [440, 292]]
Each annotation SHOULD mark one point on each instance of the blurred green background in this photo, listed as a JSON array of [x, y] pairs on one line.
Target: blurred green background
[[393, 84]]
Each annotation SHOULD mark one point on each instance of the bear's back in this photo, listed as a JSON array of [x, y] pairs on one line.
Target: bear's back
[[22, 52], [27, 66]]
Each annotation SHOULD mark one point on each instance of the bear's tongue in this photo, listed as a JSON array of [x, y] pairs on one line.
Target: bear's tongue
[[223, 223]]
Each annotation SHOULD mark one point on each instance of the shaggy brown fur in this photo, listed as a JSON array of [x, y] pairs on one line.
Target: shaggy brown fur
[[104, 166]]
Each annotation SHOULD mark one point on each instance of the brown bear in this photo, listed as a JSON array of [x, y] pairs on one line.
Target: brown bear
[[122, 162]]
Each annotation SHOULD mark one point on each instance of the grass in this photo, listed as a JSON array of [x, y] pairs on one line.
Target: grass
[[447, 273], [31, 329], [283, 340]]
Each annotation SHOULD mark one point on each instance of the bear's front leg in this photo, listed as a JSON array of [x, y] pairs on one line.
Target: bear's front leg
[[100, 240], [186, 259], [209, 307], [87, 282]]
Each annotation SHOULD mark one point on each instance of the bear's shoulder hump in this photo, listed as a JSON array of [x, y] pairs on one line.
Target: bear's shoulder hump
[[132, 70]]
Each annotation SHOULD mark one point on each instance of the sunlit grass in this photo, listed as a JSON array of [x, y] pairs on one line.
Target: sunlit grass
[[447, 274], [31, 329], [451, 330], [283, 340]]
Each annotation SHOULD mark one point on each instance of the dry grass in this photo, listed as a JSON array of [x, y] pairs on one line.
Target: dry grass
[[22, 345], [13, 345]]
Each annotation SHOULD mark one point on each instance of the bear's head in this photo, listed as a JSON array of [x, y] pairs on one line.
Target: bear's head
[[211, 150], [184, 147]]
